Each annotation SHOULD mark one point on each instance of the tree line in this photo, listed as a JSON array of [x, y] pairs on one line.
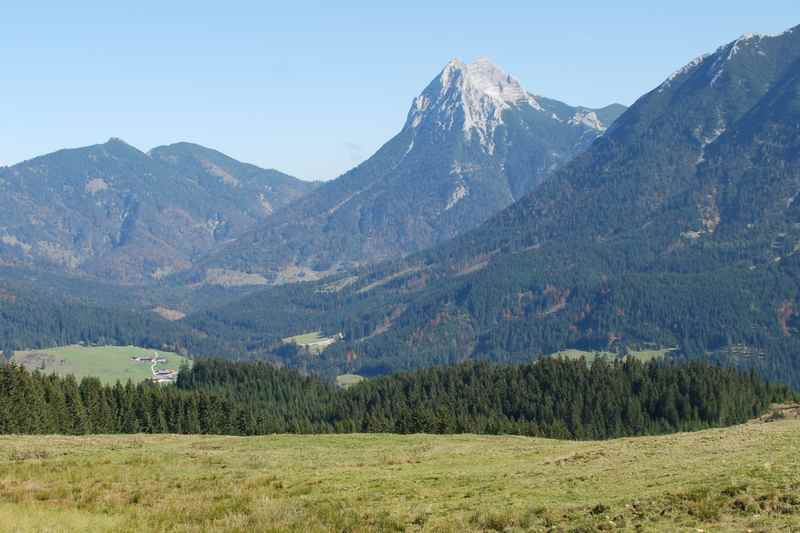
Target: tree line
[[556, 398]]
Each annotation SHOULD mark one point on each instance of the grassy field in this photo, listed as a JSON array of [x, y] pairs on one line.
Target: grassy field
[[109, 363], [348, 380], [577, 354], [647, 355], [642, 355], [313, 341], [745, 478], [306, 338]]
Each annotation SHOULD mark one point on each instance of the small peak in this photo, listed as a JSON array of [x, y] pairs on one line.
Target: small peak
[[749, 36], [117, 146], [790, 30], [454, 63], [451, 70], [747, 41], [184, 146]]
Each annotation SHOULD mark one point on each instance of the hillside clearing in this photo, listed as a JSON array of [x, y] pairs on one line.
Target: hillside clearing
[[108, 363], [578, 354], [383, 281], [348, 380], [313, 341], [305, 338], [642, 355], [740, 478], [647, 355]]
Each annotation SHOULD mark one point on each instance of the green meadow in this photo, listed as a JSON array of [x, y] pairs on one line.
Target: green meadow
[[642, 355], [348, 380], [305, 338], [744, 478], [108, 363]]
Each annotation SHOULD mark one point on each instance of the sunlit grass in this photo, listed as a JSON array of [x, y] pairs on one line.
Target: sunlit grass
[[642, 355], [348, 380], [738, 478], [306, 338], [108, 363]]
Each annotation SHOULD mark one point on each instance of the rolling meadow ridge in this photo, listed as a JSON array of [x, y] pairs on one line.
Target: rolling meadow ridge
[[741, 478]]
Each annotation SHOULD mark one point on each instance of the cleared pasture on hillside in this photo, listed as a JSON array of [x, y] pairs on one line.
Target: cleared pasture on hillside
[[108, 363], [348, 380], [306, 338], [312, 341], [642, 355]]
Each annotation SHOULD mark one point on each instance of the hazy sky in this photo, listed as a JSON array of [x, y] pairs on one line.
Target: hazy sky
[[312, 88]]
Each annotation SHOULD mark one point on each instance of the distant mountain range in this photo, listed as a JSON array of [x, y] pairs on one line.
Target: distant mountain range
[[677, 230], [474, 142], [674, 230], [116, 213]]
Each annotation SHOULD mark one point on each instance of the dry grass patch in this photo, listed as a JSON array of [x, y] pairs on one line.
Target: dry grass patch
[[738, 478]]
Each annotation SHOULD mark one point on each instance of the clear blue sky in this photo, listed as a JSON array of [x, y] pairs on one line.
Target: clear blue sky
[[312, 88]]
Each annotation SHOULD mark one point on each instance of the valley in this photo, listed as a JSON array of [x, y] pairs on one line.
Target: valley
[[502, 312]]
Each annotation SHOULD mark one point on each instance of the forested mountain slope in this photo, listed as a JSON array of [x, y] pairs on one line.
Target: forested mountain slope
[[43, 310], [677, 228], [112, 212]]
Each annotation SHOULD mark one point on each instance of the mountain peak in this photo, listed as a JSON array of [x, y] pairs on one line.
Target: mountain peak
[[116, 141], [184, 148], [119, 148], [483, 77], [712, 68], [474, 95], [454, 63], [492, 81]]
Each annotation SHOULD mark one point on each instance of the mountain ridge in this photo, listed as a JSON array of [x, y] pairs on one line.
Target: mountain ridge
[[473, 142], [112, 211]]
